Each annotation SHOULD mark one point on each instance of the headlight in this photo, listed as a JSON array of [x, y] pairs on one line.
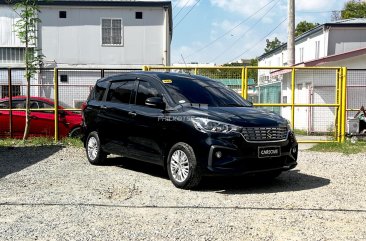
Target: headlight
[[207, 125]]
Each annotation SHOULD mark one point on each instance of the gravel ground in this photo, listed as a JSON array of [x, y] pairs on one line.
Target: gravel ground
[[53, 193]]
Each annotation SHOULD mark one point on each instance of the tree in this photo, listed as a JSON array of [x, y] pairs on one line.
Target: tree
[[303, 27], [271, 45], [252, 73], [26, 29], [354, 9]]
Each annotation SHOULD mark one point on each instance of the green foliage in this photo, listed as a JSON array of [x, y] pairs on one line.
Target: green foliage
[[346, 148], [303, 27], [272, 44], [26, 29], [252, 73], [40, 141], [354, 9]]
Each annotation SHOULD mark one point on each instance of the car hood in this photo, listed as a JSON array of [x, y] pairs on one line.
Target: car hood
[[242, 116]]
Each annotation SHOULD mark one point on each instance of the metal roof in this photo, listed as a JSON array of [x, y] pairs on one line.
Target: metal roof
[[98, 3]]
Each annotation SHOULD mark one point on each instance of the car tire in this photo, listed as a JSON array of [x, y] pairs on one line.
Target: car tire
[[94, 152], [183, 169], [75, 133]]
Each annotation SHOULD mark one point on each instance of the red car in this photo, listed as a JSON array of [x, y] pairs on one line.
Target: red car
[[42, 122]]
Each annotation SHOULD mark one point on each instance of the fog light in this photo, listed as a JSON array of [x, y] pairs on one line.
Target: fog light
[[218, 154], [294, 149]]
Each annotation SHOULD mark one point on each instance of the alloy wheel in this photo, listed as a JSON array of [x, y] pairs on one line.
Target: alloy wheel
[[179, 166]]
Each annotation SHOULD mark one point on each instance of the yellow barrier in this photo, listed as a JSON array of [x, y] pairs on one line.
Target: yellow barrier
[[55, 82], [340, 83]]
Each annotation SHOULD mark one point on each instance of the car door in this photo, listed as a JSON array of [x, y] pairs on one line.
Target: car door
[[115, 116], [4, 118], [18, 117], [145, 141]]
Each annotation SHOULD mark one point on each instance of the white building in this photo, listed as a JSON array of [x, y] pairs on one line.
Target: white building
[[341, 43], [98, 34]]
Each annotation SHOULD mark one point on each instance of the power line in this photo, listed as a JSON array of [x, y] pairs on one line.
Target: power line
[[181, 8], [229, 31], [186, 14], [251, 48], [175, 4], [243, 35]]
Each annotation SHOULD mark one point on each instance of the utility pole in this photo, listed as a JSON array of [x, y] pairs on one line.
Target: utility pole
[[291, 33]]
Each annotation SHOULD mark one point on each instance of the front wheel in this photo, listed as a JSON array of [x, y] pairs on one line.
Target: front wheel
[[183, 169], [94, 152]]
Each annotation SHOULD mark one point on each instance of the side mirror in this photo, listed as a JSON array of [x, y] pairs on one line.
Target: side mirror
[[155, 102], [62, 113]]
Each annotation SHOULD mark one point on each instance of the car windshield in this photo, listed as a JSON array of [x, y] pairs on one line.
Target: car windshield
[[203, 91]]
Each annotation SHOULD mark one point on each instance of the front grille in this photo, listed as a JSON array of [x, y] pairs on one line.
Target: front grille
[[259, 134]]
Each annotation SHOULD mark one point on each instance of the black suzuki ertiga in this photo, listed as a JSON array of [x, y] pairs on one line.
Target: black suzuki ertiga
[[191, 125]]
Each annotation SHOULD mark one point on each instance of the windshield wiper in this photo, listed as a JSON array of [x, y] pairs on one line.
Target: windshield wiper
[[233, 105]]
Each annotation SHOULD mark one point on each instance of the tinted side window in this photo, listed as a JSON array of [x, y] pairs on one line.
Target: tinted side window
[[99, 92], [4, 105], [144, 91], [120, 92]]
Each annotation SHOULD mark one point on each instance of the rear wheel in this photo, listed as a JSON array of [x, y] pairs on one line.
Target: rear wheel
[[75, 133], [94, 152], [183, 169]]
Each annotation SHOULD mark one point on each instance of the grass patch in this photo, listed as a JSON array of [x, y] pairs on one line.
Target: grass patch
[[346, 148], [40, 141]]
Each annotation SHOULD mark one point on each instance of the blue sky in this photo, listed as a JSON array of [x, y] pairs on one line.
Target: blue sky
[[201, 27]]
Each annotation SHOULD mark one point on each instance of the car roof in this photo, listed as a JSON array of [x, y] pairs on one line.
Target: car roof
[[20, 97], [158, 75]]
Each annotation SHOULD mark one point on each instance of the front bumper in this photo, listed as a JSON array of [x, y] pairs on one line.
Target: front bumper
[[239, 157]]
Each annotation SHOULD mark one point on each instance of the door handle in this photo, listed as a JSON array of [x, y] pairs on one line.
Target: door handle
[[132, 113], [34, 117], [103, 107]]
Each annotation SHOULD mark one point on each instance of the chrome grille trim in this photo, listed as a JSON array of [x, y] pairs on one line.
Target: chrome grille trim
[[264, 134]]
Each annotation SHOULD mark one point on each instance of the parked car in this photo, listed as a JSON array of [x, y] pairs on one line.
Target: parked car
[[191, 125], [42, 122]]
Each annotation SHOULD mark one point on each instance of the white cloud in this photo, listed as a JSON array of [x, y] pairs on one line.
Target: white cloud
[[245, 8], [184, 3], [306, 5], [219, 28]]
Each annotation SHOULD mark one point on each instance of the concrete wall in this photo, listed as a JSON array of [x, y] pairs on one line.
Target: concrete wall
[[8, 36], [346, 39], [76, 40]]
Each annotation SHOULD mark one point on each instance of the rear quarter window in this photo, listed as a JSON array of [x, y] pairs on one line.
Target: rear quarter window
[[98, 91]]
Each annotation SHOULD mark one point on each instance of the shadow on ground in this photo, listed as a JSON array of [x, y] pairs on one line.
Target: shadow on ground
[[15, 159], [289, 181]]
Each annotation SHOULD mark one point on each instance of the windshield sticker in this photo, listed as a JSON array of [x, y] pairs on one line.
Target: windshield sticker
[[167, 81]]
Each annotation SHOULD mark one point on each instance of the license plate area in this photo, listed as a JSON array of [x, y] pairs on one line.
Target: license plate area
[[269, 151]]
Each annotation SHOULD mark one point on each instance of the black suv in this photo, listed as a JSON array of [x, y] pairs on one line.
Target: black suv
[[191, 125]]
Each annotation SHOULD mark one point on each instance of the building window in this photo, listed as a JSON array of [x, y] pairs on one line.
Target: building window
[[15, 90], [301, 55], [62, 14], [112, 32], [138, 15], [12, 55], [63, 78], [317, 49]]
